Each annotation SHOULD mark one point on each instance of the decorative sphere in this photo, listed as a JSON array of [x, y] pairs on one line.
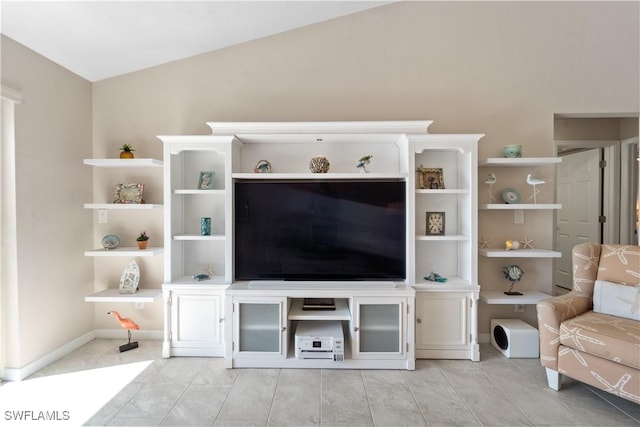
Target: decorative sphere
[[319, 164]]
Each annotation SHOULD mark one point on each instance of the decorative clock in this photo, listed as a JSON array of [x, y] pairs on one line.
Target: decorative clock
[[435, 223]]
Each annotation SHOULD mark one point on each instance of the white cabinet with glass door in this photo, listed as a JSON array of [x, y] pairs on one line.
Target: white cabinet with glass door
[[377, 328], [259, 327]]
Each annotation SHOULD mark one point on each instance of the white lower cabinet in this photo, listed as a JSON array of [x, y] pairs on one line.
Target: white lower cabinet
[[444, 327], [377, 328], [196, 323], [259, 327]]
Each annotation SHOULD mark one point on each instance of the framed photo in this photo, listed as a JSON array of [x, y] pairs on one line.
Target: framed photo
[[130, 278], [430, 178], [435, 223], [207, 180], [128, 193]]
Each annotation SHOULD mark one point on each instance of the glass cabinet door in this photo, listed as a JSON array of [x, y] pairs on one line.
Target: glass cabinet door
[[377, 330], [259, 326]]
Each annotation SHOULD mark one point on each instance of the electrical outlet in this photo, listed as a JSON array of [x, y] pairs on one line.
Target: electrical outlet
[[103, 216], [139, 305], [518, 216], [519, 308]]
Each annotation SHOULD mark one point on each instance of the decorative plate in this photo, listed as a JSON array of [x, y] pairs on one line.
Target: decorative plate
[[110, 241], [510, 196], [130, 278]]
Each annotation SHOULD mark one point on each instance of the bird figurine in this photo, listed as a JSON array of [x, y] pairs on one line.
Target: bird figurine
[[532, 181], [127, 324], [513, 273], [363, 162], [201, 277], [491, 179]]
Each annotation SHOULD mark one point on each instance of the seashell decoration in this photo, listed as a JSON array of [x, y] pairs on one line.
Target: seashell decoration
[[319, 164]]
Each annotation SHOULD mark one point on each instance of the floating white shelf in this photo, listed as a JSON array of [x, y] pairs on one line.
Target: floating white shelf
[[319, 176], [527, 297], [521, 206], [196, 191], [522, 161], [340, 313], [125, 251], [198, 237], [114, 295], [123, 163], [446, 237], [519, 253], [123, 206], [442, 191]]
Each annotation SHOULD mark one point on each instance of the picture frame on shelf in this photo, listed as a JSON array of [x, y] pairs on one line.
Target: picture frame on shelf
[[430, 178], [435, 223], [130, 279], [207, 180], [128, 193]]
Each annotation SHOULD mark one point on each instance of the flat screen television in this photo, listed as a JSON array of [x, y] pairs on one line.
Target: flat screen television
[[351, 230]]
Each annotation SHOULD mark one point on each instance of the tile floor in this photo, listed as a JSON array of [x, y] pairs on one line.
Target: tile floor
[[148, 390]]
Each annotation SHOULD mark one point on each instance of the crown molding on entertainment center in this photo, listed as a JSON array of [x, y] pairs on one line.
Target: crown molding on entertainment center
[[252, 323]]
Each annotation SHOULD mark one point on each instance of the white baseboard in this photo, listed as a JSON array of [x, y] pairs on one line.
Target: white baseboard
[[18, 374]]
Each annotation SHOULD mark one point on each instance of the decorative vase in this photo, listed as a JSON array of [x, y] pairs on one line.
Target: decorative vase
[[142, 244], [319, 164], [205, 226]]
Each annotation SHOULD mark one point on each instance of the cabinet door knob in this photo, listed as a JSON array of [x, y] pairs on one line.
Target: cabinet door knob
[[221, 320], [418, 320], [284, 328], [355, 329]]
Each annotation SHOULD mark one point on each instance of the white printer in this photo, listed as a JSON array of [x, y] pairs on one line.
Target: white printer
[[320, 339]]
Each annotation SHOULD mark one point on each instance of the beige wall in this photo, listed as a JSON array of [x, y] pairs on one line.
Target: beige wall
[[503, 69], [53, 135]]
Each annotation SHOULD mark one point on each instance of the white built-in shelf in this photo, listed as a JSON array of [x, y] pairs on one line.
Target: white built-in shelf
[[527, 297], [123, 206], [189, 280], [446, 237], [198, 237], [520, 206], [453, 283], [196, 191], [125, 251], [518, 253], [521, 161], [319, 176], [123, 163], [114, 295], [340, 313], [442, 191]]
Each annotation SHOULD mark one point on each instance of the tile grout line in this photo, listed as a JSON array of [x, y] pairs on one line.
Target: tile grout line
[[455, 390], [366, 396], [273, 397], [235, 378], [414, 398]]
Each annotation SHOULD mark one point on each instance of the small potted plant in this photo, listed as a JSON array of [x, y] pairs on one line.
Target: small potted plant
[[126, 151], [142, 240]]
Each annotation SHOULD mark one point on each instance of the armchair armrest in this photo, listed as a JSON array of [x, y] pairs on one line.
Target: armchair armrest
[[553, 311]]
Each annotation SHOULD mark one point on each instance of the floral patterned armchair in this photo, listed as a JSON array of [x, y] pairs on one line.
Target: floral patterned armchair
[[580, 338]]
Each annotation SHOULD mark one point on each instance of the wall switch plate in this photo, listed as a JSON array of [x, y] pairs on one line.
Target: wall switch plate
[[518, 216], [519, 308], [103, 216]]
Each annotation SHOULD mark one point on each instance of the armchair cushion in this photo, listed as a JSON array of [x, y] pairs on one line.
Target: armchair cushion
[[608, 337], [616, 299], [619, 264]]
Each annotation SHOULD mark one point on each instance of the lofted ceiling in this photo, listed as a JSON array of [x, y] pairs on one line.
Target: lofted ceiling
[[102, 39]]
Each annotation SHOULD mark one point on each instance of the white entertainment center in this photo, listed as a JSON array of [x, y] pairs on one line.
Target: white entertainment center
[[386, 324]]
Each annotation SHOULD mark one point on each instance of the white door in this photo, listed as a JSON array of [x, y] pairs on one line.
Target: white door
[[578, 190]]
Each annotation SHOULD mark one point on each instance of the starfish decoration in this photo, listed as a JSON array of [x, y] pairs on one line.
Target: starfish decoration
[[484, 243], [526, 243]]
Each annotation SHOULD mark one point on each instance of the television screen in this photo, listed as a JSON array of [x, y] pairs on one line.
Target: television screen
[[320, 230]]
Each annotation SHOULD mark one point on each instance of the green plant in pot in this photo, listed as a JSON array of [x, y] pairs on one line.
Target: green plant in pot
[[142, 240], [126, 151]]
